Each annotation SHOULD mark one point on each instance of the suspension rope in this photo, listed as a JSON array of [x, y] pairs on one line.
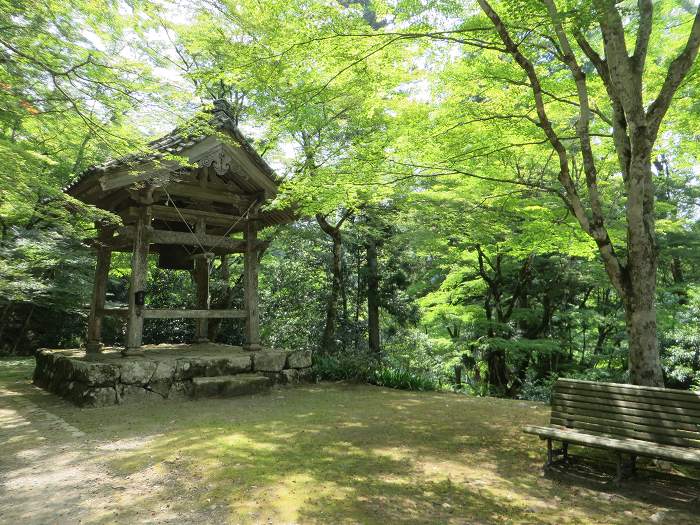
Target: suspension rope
[[210, 264], [170, 199], [246, 214]]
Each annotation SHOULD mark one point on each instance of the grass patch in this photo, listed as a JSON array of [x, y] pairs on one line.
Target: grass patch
[[14, 369], [346, 453]]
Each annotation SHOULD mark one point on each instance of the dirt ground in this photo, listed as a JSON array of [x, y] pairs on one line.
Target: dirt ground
[[329, 453]]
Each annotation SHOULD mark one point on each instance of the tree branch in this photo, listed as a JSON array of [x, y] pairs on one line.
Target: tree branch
[[596, 230], [676, 73], [646, 14]]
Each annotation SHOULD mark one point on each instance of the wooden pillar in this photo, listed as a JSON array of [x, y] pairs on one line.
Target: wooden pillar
[[250, 283], [139, 274], [201, 278], [99, 290]]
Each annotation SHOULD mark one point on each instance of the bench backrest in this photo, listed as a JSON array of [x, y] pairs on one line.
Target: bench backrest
[[659, 415]]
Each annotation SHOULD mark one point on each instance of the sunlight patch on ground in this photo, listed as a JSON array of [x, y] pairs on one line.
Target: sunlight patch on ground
[[319, 454]]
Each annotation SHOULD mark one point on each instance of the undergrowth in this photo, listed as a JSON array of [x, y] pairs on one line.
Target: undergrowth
[[361, 369]]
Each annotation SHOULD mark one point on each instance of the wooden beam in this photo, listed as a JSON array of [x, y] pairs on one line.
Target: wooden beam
[[194, 314], [114, 312], [164, 313], [214, 193], [169, 213], [208, 241]]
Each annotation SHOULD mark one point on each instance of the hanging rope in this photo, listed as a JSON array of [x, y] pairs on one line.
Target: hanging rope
[[246, 214], [170, 199], [210, 264]]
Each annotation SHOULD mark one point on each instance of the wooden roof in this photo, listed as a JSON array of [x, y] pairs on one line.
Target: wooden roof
[[225, 175]]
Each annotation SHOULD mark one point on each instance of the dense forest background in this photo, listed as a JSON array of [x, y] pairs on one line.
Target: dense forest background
[[432, 232]]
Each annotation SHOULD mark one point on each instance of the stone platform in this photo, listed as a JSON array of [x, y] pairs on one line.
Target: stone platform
[[181, 371]]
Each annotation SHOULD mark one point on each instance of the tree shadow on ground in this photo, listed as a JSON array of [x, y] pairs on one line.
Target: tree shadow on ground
[[337, 454], [363, 454]]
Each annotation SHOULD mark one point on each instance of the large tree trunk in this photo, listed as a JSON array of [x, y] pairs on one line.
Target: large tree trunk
[[639, 280], [373, 298], [638, 283], [644, 362], [328, 339]]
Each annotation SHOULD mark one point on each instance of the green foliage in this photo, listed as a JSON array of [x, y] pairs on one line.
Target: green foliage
[[363, 369], [538, 389], [344, 367], [404, 379]]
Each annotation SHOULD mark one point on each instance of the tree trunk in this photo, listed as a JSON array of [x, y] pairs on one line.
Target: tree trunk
[[23, 330], [498, 373], [373, 298], [640, 317], [639, 283], [358, 298], [328, 339]]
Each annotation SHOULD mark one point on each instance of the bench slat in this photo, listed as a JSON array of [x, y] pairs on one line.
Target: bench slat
[[626, 403], [636, 390], [612, 420], [613, 396], [624, 415], [638, 447], [598, 408], [604, 427]]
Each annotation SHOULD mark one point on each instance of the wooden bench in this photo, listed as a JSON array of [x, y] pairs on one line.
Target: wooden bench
[[627, 419]]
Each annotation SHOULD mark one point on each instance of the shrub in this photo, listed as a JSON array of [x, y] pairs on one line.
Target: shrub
[[343, 367], [404, 379], [361, 368], [538, 389]]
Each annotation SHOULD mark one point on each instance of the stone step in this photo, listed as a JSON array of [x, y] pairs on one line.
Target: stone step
[[229, 386]]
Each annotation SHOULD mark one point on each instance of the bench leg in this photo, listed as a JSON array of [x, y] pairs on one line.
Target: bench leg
[[553, 453], [625, 470]]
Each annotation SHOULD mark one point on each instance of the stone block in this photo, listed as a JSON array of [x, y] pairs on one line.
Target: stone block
[[229, 386], [269, 361], [216, 366], [299, 359], [180, 390], [93, 374], [160, 387], [137, 372], [235, 364], [164, 370], [90, 396], [183, 369], [295, 376], [138, 394], [43, 360]]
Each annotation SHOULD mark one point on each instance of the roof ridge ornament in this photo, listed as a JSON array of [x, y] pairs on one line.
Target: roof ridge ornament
[[222, 109]]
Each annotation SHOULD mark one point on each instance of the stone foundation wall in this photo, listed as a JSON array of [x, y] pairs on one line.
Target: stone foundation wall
[[135, 379]]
